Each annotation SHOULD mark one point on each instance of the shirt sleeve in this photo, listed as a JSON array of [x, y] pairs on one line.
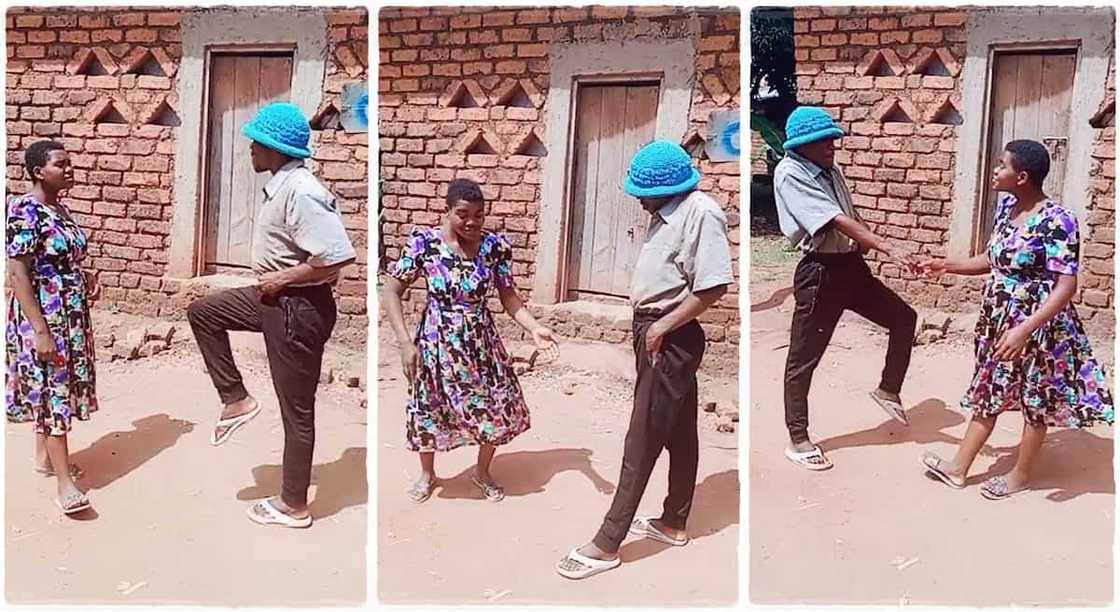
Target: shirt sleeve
[[22, 227], [807, 202], [316, 227], [711, 252], [410, 264], [1062, 242], [503, 262]]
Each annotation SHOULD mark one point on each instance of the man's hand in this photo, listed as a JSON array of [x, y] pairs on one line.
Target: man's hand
[[908, 263], [271, 283], [655, 335]]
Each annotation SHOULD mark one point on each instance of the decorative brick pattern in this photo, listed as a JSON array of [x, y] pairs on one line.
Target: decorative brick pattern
[[433, 59]]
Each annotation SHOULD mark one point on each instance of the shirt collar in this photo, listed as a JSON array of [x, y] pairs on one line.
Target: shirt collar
[[805, 161], [273, 185], [667, 211]]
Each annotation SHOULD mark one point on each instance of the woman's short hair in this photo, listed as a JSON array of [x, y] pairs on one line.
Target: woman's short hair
[[39, 154], [1031, 157], [463, 189]]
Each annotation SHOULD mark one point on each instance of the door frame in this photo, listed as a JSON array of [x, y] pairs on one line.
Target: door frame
[[1091, 30], [203, 29], [199, 263], [564, 282], [978, 241], [672, 60]]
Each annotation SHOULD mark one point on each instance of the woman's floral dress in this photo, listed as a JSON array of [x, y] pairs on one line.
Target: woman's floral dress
[[50, 394], [1057, 382], [465, 390]]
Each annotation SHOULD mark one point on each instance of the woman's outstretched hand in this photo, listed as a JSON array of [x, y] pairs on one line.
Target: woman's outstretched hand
[[410, 360], [543, 337], [931, 268]]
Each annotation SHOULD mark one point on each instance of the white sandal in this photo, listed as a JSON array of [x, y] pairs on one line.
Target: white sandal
[[590, 566], [265, 513], [232, 424], [643, 527], [803, 459]]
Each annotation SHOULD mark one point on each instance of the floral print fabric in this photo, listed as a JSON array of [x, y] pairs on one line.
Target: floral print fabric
[[50, 394], [1057, 382], [465, 390]]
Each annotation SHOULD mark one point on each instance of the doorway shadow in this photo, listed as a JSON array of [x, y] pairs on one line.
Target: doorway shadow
[[776, 299], [341, 483], [527, 472], [715, 507], [116, 454]]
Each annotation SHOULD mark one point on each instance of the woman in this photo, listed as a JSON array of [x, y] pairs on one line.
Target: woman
[[1031, 350], [50, 344], [463, 389]]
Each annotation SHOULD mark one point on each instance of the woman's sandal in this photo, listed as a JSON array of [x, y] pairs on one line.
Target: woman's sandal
[[995, 488], [810, 460], [936, 465], [492, 491], [421, 490], [75, 503]]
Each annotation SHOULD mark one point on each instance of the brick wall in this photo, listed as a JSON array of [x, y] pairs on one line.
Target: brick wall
[[424, 55], [891, 75], [1098, 288], [108, 119]]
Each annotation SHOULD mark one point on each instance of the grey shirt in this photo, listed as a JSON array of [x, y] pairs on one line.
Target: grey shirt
[[299, 222], [808, 197], [685, 251]]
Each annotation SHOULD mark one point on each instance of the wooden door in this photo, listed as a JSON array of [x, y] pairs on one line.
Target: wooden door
[[608, 226], [240, 84], [1031, 96]]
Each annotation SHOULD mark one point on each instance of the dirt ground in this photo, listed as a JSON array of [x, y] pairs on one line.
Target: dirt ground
[[169, 521], [874, 529], [559, 476]]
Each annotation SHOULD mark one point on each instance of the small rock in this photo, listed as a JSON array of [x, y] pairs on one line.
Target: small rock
[[353, 381], [163, 332], [137, 337], [123, 352], [569, 387], [106, 340], [710, 406], [326, 376], [729, 413], [725, 427], [151, 348], [928, 336]]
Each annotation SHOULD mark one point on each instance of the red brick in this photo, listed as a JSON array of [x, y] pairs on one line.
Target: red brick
[[29, 21], [459, 22], [927, 37], [100, 36], [69, 82], [141, 35], [112, 129], [869, 39], [398, 26], [128, 19], [533, 16], [163, 19], [78, 37], [31, 52], [103, 82], [953, 19], [42, 36]]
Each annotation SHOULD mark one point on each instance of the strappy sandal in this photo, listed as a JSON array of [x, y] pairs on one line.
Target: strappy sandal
[[76, 472], [995, 488], [421, 490], [232, 424], [893, 408], [936, 465], [491, 491], [74, 504], [810, 460]]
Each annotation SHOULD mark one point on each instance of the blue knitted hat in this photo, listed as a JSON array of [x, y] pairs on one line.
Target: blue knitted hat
[[809, 124], [281, 127], [660, 169]]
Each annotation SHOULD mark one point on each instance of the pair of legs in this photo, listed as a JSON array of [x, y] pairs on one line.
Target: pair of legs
[[296, 326], [664, 417], [52, 455], [976, 436], [824, 287], [421, 489]]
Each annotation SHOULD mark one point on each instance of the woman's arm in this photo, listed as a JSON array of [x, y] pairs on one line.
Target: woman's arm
[[391, 295], [516, 309], [973, 266], [24, 289]]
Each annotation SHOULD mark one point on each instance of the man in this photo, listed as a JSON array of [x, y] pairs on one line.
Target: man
[[299, 245], [816, 213], [683, 268]]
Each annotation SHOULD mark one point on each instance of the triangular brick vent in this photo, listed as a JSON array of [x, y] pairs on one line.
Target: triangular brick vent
[[947, 113], [935, 62], [463, 94], [531, 145], [882, 63], [93, 62], [149, 62], [165, 116], [694, 144], [480, 145], [328, 117]]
